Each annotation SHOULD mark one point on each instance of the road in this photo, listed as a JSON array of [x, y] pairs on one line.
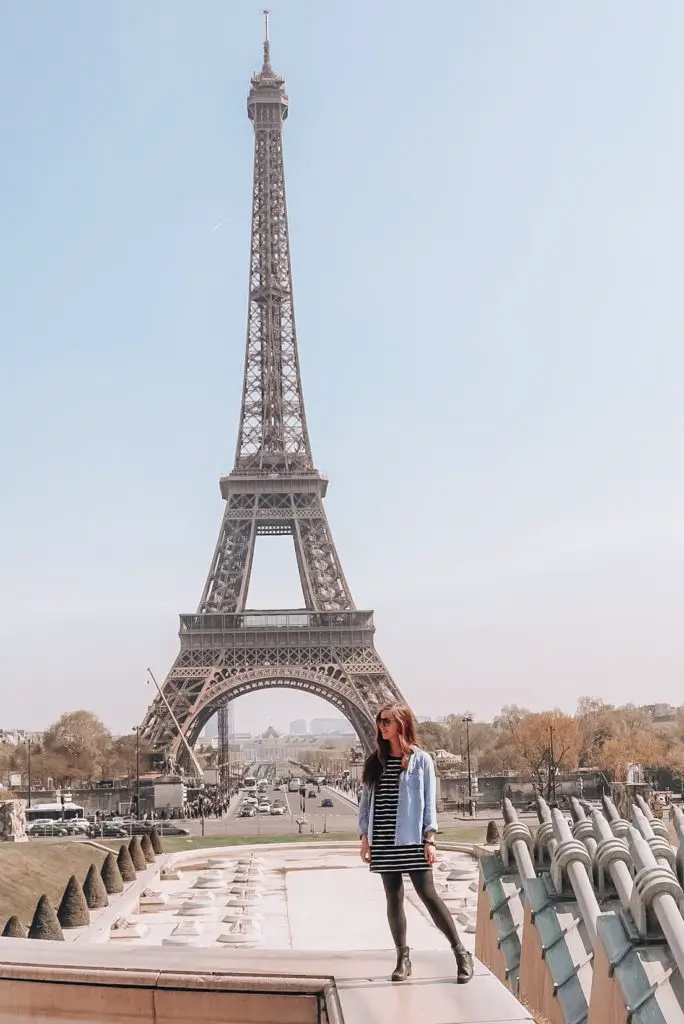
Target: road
[[341, 817]]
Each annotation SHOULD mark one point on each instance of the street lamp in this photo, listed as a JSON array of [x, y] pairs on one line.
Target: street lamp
[[137, 771], [28, 748], [552, 768], [467, 721]]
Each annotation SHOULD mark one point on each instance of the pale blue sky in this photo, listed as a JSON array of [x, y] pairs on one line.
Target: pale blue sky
[[486, 206]]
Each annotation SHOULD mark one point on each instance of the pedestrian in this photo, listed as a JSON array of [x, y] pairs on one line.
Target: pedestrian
[[397, 825]]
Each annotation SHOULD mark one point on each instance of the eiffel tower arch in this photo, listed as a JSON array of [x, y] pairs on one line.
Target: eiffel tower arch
[[226, 650]]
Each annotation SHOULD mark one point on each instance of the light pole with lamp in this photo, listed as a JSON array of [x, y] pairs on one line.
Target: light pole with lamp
[[467, 721], [137, 772], [552, 768], [28, 748]]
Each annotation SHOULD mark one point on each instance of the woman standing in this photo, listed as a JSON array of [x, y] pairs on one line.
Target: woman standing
[[397, 823]]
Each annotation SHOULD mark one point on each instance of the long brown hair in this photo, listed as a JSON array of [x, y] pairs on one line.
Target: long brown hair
[[375, 762]]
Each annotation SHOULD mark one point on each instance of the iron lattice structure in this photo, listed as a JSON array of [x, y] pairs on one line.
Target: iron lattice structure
[[226, 741], [327, 648]]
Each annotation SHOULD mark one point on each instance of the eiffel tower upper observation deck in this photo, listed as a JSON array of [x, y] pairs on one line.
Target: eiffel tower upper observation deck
[[327, 647]]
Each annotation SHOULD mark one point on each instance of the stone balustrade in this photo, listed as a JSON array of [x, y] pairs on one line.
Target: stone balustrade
[[597, 902]]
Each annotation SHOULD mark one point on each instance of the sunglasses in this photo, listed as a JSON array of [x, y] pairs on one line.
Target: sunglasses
[[385, 721]]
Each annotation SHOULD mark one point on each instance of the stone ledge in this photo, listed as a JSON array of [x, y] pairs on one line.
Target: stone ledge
[[203, 985]]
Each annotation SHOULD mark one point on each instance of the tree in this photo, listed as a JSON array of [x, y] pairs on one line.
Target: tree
[[594, 722], [628, 746], [6, 759], [674, 760], [432, 736], [81, 741], [123, 755], [483, 737], [545, 742]]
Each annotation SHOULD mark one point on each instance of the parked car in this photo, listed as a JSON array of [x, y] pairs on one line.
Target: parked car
[[107, 830], [46, 830], [164, 828], [326, 802], [77, 827]]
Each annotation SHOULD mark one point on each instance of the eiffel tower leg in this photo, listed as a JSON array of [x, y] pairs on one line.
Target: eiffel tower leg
[[231, 566], [319, 564]]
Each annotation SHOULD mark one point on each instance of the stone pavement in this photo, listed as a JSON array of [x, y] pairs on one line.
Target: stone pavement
[[342, 907], [323, 917]]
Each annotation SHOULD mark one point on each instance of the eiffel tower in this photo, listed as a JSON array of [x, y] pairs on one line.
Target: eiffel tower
[[326, 648]]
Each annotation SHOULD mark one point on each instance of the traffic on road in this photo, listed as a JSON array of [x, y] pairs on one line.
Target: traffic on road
[[270, 800]]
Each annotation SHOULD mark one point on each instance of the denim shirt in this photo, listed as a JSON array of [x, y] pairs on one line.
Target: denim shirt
[[417, 807]]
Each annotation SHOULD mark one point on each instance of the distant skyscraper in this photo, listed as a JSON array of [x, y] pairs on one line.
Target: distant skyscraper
[[299, 727]]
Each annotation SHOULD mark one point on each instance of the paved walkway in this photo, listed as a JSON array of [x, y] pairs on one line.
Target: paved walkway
[[344, 908], [430, 997], [324, 917]]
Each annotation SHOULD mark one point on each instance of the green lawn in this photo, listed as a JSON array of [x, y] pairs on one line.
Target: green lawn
[[462, 834], [29, 870], [173, 844]]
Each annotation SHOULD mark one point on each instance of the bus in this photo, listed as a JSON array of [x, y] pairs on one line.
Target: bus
[[249, 785], [294, 785], [54, 812]]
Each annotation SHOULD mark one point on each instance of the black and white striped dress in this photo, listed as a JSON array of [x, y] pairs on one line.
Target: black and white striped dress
[[385, 854]]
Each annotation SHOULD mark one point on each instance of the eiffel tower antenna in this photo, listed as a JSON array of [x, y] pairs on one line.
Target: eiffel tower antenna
[[267, 43], [326, 648]]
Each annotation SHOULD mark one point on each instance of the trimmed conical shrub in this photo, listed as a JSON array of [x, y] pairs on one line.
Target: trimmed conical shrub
[[137, 856], [94, 889], [126, 864], [492, 836], [45, 924], [111, 876], [73, 910], [147, 849], [156, 841], [13, 929]]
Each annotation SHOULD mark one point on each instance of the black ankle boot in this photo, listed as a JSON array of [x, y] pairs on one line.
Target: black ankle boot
[[464, 962], [403, 969]]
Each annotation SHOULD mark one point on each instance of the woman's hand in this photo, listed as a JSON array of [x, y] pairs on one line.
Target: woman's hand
[[430, 853], [365, 850]]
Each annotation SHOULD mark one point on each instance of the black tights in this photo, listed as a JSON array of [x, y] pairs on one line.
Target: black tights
[[424, 885]]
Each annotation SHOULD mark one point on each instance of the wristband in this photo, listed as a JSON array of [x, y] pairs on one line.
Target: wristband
[[429, 842]]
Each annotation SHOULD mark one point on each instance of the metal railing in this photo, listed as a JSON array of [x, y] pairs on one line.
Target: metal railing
[[228, 622]]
